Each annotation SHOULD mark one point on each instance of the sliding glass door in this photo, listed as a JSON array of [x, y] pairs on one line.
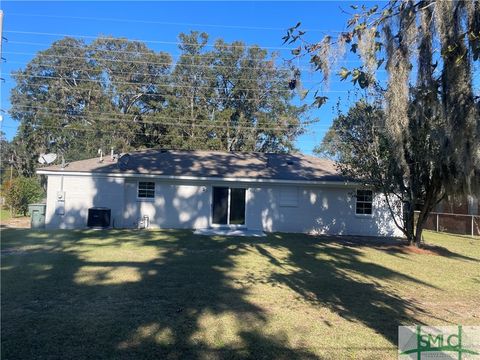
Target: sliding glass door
[[228, 206]]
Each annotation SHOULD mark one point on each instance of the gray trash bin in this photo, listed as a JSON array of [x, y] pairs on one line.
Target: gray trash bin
[[37, 215]]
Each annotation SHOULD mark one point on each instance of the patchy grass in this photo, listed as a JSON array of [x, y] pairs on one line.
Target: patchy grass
[[15, 221], [4, 214], [126, 294]]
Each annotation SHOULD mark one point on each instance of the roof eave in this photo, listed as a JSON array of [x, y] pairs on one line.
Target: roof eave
[[201, 178]]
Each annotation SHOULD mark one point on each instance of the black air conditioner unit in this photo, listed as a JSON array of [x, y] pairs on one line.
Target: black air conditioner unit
[[99, 217]]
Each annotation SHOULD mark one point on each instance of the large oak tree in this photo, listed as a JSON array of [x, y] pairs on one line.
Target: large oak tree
[[76, 97], [420, 141]]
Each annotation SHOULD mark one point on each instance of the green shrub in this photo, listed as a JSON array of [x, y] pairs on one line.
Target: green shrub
[[22, 191]]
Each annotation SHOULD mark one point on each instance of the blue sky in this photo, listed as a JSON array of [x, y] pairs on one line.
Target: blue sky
[[261, 23]]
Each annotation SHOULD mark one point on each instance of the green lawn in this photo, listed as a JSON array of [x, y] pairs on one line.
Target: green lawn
[[172, 295], [4, 214]]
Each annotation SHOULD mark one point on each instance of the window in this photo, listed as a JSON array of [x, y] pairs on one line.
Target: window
[[364, 202], [289, 197], [146, 189], [228, 206]]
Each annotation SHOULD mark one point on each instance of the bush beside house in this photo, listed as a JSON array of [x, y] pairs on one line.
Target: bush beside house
[[22, 191]]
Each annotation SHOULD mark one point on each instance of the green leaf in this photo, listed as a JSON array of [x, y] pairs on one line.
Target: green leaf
[[373, 10], [354, 48], [363, 80], [344, 73], [297, 51], [360, 27], [355, 75], [303, 94], [354, 7], [320, 100]]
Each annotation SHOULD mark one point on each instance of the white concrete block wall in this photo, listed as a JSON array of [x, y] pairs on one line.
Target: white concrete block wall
[[174, 206], [82, 193], [323, 210]]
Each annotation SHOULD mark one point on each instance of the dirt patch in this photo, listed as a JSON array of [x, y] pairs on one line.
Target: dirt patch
[[424, 250], [16, 223], [392, 245]]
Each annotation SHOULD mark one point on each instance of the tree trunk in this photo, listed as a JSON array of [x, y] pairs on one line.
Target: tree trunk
[[409, 223], [418, 233], [422, 218]]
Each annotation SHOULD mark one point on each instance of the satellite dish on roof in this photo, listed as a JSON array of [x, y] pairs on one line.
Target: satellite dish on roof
[[47, 158]]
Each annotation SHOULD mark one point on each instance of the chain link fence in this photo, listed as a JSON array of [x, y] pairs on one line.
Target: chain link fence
[[453, 223]]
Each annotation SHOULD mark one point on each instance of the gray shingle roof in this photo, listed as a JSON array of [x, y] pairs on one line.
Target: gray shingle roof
[[212, 164]]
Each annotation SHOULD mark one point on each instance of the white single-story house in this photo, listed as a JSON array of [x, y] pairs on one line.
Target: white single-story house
[[213, 189]]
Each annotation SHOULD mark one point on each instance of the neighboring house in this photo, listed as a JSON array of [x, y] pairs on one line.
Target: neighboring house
[[209, 189]]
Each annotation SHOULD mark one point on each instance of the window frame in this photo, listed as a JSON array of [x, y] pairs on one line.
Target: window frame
[[228, 224], [363, 214], [146, 198]]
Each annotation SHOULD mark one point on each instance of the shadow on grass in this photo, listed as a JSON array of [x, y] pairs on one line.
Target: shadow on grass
[[335, 282], [48, 312], [158, 309]]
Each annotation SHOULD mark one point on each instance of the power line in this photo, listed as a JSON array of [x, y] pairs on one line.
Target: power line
[[152, 52], [168, 23], [234, 97], [128, 118], [173, 86], [54, 66], [130, 132], [203, 56], [165, 63], [174, 64], [180, 124], [36, 33]]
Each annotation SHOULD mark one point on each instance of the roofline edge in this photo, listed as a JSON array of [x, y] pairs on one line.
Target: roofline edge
[[198, 178]]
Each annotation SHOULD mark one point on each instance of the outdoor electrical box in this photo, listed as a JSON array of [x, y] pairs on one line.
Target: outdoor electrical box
[[37, 215], [60, 203]]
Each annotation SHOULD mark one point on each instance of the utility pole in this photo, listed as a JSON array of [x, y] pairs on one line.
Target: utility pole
[[1, 31], [1, 61], [1, 115]]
